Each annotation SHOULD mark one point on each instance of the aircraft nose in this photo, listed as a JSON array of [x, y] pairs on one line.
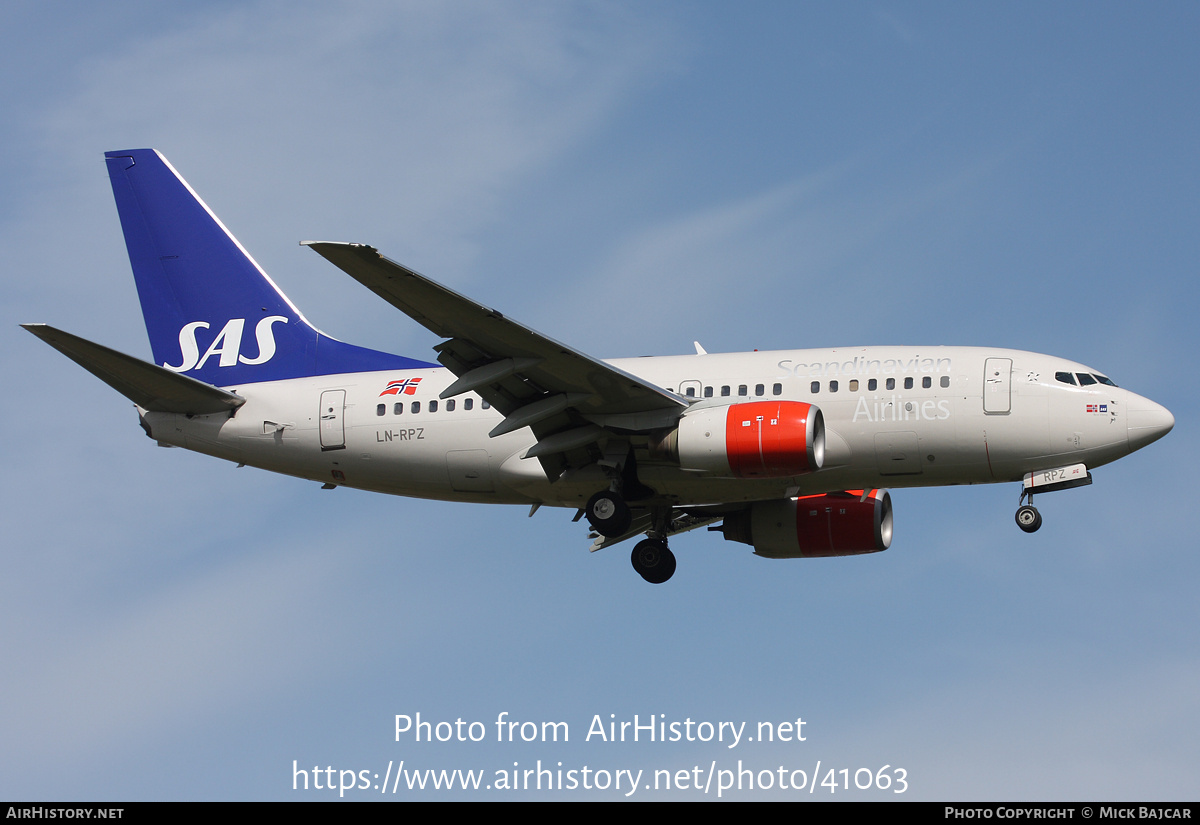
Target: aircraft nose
[[1147, 422]]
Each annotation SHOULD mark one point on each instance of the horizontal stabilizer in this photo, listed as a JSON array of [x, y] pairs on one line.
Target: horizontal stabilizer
[[150, 387]]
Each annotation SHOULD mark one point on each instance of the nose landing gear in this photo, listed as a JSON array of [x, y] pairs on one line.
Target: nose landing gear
[[1028, 518], [1047, 481]]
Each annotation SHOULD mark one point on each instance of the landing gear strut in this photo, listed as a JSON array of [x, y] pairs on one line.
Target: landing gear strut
[[1047, 481], [1028, 518], [608, 514], [653, 561]]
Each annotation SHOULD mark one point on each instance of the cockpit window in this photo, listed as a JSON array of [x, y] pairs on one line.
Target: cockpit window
[[1085, 380], [1065, 377], [1103, 379]]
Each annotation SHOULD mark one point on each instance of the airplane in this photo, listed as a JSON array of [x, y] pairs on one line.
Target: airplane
[[789, 452]]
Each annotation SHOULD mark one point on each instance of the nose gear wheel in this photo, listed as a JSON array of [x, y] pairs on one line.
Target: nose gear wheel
[[1028, 518]]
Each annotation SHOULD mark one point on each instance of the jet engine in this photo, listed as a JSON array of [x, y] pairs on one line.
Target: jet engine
[[833, 524], [758, 439]]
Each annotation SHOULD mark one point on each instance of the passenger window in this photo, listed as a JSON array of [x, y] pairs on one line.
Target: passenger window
[[483, 405], [416, 406], [690, 392], [450, 405], [777, 389], [759, 389], [708, 392], [873, 384], [1085, 379], [724, 390], [433, 406], [742, 390], [891, 383], [468, 403], [815, 387], [833, 386], [854, 385], [381, 409], [926, 382], [398, 408], [945, 381], [908, 383]]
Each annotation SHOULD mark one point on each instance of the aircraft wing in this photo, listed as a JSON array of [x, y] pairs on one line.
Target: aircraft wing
[[533, 380], [149, 386]]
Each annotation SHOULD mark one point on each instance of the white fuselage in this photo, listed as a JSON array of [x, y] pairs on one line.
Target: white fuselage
[[894, 417]]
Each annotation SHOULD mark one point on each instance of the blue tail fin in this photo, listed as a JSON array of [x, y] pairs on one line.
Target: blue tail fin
[[210, 310]]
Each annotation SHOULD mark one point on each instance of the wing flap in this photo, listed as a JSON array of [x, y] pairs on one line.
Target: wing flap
[[681, 522], [149, 386]]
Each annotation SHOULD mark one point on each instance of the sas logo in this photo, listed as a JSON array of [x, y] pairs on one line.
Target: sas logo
[[227, 344], [407, 386], [1097, 408]]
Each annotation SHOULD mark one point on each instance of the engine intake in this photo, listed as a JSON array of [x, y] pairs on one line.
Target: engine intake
[[758, 439]]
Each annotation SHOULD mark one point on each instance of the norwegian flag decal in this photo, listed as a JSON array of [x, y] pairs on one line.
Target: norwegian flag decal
[[407, 386]]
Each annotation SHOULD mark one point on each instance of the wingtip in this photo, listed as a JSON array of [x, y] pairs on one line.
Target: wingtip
[[338, 243]]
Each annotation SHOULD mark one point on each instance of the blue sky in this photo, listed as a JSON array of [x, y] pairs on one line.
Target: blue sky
[[627, 178]]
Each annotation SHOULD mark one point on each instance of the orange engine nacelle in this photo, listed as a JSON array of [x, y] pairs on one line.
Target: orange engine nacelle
[[833, 524], [758, 439]]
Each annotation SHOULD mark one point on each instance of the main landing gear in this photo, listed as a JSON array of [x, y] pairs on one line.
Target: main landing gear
[[608, 514], [653, 561], [611, 517], [651, 557]]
